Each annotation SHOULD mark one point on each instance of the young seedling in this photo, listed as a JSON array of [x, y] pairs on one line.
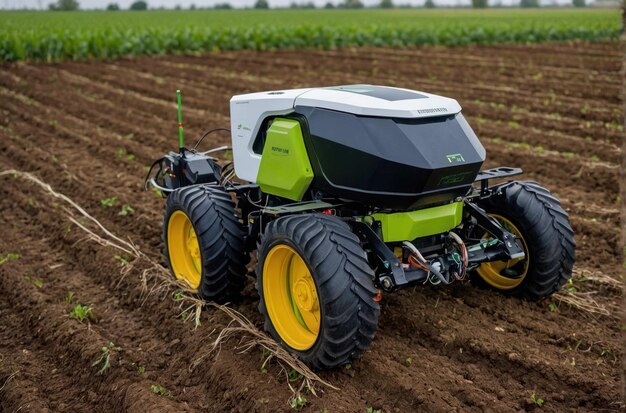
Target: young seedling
[[11, 256], [160, 390], [141, 369], [553, 307], [82, 312], [570, 288], [293, 375], [123, 259], [121, 153], [370, 409], [178, 295], [606, 351], [537, 400], [105, 358], [157, 192], [37, 282], [68, 298], [184, 315], [585, 109], [297, 402], [108, 202], [126, 210], [408, 361], [266, 356]]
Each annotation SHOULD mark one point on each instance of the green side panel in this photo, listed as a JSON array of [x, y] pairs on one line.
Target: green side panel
[[406, 226], [285, 168]]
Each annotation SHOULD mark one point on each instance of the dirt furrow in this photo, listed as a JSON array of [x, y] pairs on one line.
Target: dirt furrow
[[551, 109]]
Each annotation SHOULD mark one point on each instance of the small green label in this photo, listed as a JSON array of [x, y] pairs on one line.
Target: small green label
[[279, 151], [455, 158]]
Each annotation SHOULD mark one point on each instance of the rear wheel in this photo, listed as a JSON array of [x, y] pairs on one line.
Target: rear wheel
[[532, 213], [316, 289], [204, 242]]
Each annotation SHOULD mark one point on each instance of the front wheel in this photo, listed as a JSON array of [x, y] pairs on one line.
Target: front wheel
[[532, 213], [316, 289], [204, 244]]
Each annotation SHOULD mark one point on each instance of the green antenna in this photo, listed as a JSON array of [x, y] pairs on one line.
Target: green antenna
[[181, 140]]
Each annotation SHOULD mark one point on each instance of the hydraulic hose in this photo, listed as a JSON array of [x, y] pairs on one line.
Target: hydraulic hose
[[423, 261]]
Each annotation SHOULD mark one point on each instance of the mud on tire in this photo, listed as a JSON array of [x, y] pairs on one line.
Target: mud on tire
[[344, 283], [549, 237], [220, 237]]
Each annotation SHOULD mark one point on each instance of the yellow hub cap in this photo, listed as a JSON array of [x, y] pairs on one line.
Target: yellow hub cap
[[184, 249], [505, 275], [291, 297]]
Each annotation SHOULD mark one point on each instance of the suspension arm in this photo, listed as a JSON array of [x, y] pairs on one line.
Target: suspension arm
[[511, 247]]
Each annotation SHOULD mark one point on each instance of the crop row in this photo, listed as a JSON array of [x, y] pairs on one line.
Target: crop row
[[108, 43]]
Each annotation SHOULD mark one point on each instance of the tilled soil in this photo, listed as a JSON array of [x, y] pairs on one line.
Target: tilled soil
[[90, 129]]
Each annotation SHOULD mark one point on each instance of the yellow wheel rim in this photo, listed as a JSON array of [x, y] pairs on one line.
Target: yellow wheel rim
[[291, 297], [492, 272], [184, 249]]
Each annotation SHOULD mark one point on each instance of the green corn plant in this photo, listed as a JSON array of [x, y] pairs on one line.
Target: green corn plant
[[126, 210], [108, 202], [11, 256], [160, 390], [82, 312], [297, 402], [51, 37]]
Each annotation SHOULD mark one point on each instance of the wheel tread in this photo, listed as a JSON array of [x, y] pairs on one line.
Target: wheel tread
[[212, 213], [550, 230], [344, 282]]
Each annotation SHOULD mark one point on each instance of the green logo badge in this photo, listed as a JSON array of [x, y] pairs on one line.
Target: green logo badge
[[456, 178], [239, 126], [455, 158]]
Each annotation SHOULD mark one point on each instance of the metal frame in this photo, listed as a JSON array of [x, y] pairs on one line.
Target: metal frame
[[391, 273]]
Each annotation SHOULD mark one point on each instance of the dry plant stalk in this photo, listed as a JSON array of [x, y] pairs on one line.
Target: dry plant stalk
[[583, 302], [116, 242], [599, 278], [11, 377], [163, 283], [240, 325]]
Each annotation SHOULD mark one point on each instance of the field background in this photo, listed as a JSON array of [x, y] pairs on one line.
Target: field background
[[90, 127], [81, 35]]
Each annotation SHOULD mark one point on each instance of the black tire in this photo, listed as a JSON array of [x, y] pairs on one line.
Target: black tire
[[545, 226], [220, 238], [344, 282]]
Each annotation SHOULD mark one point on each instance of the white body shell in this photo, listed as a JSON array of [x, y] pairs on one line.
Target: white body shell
[[247, 112]]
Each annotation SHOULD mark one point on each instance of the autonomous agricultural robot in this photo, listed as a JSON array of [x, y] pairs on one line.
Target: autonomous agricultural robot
[[345, 193]]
